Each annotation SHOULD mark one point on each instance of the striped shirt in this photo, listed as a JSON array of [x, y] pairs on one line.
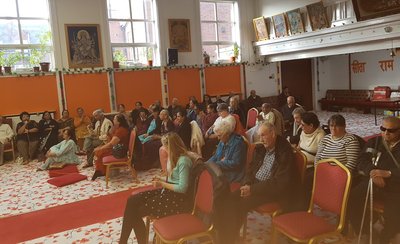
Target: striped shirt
[[346, 150]]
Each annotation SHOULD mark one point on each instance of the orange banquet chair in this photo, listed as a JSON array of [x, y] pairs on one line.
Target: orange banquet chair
[[112, 162], [182, 227], [273, 208], [10, 146], [330, 192], [239, 127], [251, 118]]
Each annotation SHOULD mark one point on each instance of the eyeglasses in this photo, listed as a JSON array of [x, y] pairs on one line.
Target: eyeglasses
[[383, 129]]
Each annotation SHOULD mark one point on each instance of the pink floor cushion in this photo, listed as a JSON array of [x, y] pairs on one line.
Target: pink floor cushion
[[67, 179], [68, 169]]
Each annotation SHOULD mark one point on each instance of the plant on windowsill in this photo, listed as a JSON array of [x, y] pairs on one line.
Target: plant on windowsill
[[1, 60], [150, 57], [10, 60], [38, 54], [206, 58], [118, 58], [235, 52]]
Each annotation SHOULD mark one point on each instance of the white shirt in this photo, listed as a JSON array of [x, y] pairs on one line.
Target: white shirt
[[229, 119], [105, 127], [6, 133]]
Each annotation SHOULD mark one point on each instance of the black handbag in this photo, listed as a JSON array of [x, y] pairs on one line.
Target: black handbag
[[119, 151]]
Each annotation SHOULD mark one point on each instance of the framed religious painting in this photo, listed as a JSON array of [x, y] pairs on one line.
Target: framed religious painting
[[370, 9], [260, 28], [179, 34], [317, 16], [84, 45], [280, 27], [295, 22]]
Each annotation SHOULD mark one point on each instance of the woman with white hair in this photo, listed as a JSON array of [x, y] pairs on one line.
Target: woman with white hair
[[231, 152]]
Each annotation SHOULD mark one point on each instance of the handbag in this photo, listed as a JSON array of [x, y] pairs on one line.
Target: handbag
[[119, 151]]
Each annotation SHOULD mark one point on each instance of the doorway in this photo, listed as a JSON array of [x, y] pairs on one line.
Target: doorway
[[297, 75]]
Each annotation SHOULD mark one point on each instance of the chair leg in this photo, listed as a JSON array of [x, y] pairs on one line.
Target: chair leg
[[244, 231], [133, 172], [274, 236], [147, 229], [107, 174]]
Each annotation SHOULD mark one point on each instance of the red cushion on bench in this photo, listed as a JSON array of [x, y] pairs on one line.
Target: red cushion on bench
[[67, 179], [68, 169]]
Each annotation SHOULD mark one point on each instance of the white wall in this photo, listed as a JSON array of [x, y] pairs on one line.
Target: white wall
[[262, 79], [269, 8]]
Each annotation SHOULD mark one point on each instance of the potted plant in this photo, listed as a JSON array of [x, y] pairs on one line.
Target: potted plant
[[35, 58], [150, 57], [44, 39], [1, 60], [206, 58], [10, 60], [235, 52], [118, 57]]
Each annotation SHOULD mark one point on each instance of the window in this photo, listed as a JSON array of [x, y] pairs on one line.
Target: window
[[219, 28], [25, 30], [132, 30]]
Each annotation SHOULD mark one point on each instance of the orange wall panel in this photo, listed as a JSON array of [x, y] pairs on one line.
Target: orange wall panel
[[89, 91], [133, 86], [222, 80], [31, 94], [183, 83]]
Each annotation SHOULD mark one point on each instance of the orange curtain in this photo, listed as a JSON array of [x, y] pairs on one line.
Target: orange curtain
[[31, 94], [89, 91], [183, 83], [133, 86], [222, 80]]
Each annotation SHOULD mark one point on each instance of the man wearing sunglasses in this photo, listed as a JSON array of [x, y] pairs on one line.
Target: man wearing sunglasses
[[379, 161]]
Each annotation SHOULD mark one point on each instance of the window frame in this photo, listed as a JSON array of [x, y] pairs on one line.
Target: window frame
[[235, 23], [21, 46], [131, 20]]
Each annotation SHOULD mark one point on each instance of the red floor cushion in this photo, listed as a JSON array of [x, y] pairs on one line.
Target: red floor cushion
[[67, 179], [268, 207], [68, 169], [112, 159]]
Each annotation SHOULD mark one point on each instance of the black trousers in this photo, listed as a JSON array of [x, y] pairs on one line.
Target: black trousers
[[391, 213], [157, 203]]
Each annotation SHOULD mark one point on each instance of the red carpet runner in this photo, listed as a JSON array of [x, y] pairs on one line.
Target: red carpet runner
[[61, 218]]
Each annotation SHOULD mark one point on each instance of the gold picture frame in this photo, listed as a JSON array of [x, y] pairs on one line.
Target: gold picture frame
[[317, 16], [261, 29], [84, 45], [295, 21], [179, 34], [280, 25]]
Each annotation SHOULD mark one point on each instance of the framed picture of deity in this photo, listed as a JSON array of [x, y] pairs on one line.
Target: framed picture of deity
[[295, 22], [260, 28], [84, 45], [317, 15], [370, 9], [280, 26]]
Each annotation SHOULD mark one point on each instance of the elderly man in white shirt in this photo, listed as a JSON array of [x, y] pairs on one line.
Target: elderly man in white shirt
[[6, 134], [98, 135]]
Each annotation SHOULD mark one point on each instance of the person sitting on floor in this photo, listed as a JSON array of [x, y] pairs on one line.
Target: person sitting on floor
[[81, 122], [120, 136], [97, 136], [27, 137], [135, 112], [254, 100], [142, 123], [272, 177], [311, 135], [6, 135], [384, 151], [63, 152], [48, 132], [65, 122], [231, 152], [171, 198]]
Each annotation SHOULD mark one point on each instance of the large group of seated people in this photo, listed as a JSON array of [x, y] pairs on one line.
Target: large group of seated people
[[271, 175]]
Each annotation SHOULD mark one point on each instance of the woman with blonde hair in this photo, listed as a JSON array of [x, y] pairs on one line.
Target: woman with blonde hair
[[169, 197]]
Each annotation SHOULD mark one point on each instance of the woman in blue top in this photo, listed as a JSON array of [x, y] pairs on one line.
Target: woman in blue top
[[170, 199], [64, 151]]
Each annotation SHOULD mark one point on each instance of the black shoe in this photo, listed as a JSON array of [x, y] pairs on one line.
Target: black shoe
[[97, 174]]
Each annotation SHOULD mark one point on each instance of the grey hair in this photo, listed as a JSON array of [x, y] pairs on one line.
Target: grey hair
[[224, 127], [98, 112], [298, 110], [269, 126]]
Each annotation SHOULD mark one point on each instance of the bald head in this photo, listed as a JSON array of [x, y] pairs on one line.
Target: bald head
[[290, 101], [267, 135]]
